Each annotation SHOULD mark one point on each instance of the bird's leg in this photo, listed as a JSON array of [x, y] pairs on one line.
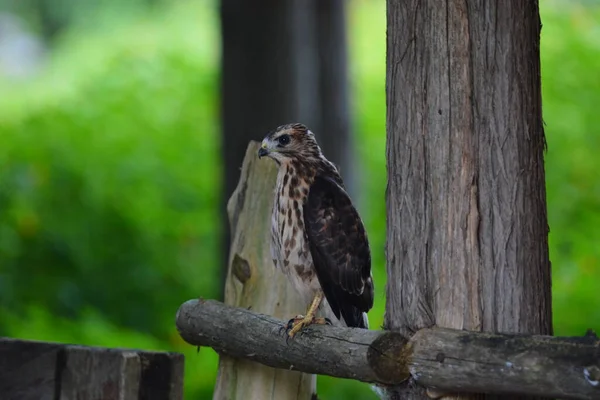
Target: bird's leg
[[309, 318]]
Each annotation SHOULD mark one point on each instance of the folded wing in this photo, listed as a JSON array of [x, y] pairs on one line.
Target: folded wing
[[340, 250]]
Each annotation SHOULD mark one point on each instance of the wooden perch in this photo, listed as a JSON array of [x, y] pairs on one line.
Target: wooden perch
[[446, 359]]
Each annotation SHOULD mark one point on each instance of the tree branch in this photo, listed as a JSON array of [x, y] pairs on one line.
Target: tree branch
[[341, 352], [451, 360]]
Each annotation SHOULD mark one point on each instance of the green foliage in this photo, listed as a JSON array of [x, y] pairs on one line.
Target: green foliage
[[571, 90], [108, 188], [110, 179]]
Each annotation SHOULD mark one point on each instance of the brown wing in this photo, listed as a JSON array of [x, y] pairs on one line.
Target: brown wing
[[340, 250]]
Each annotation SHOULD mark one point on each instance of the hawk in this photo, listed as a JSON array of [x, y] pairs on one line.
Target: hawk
[[318, 239]]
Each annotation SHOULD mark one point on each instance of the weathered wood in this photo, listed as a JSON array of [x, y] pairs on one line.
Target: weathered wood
[[252, 281], [467, 228], [515, 364], [343, 352], [32, 370], [447, 359]]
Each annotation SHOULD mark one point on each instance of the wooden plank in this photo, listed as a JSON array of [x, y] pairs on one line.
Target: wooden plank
[[162, 376], [31, 370], [27, 370], [98, 374]]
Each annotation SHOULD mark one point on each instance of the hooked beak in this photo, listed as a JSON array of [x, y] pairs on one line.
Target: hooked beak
[[263, 151]]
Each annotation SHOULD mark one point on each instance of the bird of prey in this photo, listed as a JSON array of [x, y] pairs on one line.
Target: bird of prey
[[318, 240]]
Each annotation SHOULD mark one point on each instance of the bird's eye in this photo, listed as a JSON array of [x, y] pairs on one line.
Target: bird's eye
[[283, 139]]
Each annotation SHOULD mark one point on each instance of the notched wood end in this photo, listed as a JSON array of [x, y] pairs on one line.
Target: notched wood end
[[241, 268], [388, 357]]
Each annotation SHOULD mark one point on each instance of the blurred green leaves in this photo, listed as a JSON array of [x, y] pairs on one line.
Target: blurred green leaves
[[571, 89], [109, 181], [108, 187]]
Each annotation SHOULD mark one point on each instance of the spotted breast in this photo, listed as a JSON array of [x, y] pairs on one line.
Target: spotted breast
[[289, 246]]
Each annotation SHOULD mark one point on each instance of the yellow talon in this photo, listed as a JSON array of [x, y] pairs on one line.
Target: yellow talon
[[300, 322]]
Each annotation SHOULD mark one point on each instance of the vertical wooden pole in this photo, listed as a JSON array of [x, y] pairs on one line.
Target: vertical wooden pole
[[253, 282], [467, 227]]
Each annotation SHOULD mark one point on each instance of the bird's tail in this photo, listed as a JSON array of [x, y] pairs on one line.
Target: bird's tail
[[365, 321], [357, 319]]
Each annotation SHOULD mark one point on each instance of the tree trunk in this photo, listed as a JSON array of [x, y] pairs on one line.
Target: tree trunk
[[283, 61], [253, 282], [467, 229]]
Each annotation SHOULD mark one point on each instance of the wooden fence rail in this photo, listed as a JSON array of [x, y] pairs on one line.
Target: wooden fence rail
[[444, 359], [32, 370]]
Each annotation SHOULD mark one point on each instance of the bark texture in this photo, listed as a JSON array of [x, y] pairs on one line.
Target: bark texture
[[467, 227], [283, 61], [365, 355], [253, 282], [447, 359]]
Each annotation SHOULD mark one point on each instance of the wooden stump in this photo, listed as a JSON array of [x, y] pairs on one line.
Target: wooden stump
[[253, 282]]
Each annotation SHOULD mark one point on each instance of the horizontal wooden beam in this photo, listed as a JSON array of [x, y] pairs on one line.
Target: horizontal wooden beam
[[239, 332], [31, 370], [444, 359]]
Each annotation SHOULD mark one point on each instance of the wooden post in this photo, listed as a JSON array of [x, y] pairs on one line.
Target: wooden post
[[253, 282], [466, 203], [40, 370]]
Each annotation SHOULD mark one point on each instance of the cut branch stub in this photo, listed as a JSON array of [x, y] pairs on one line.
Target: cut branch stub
[[388, 356]]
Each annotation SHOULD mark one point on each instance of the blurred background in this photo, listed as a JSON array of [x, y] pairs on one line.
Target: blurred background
[[123, 125]]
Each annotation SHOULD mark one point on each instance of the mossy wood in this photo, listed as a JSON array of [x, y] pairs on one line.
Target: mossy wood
[[252, 282]]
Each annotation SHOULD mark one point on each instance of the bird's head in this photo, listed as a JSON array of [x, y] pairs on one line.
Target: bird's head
[[290, 142]]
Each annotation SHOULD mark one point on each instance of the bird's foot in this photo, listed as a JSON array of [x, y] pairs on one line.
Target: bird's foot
[[287, 327], [300, 322]]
